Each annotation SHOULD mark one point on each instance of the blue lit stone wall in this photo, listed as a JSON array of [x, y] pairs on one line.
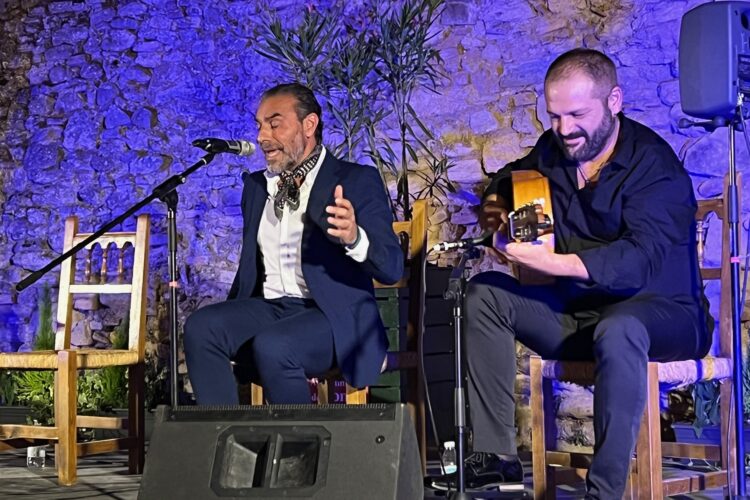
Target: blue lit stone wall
[[99, 101]]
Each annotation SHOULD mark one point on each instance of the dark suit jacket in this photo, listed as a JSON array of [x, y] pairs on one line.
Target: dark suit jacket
[[341, 287]]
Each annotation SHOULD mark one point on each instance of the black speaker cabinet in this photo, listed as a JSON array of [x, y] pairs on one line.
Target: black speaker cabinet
[[714, 58], [283, 451]]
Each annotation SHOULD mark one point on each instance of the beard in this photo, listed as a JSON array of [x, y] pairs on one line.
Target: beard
[[592, 144], [288, 157]]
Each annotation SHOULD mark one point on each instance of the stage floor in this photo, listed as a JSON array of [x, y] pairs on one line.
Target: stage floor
[[106, 477]]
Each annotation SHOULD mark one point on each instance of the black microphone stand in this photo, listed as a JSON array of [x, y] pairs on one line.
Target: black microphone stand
[[734, 259], [166, 192], [455, 292]]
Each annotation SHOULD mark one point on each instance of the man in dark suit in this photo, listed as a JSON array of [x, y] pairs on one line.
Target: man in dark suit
[[316, 232]]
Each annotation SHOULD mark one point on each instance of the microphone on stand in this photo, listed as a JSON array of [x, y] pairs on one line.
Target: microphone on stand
[[484, 239], [213, 145]]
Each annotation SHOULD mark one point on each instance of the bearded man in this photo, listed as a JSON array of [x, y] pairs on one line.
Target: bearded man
[[316, 231], [626, 281]]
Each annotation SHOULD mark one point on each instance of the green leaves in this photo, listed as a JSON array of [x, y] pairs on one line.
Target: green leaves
[[368, 66], [301, 52], [45, 333], [35, 390], [99, 391]]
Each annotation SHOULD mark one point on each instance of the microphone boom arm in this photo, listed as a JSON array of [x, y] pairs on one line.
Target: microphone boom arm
[[161, 192]]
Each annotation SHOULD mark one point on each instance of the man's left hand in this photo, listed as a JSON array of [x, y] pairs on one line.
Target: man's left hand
[[536, 255], [540, 256], [342, 218]]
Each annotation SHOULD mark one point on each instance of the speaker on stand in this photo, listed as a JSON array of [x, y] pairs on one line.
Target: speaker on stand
[[714, 59]]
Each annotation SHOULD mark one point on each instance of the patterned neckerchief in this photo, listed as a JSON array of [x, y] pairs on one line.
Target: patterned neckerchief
[[290, 182]]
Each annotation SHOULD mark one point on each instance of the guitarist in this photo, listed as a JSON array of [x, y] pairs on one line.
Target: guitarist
[[626, 281]]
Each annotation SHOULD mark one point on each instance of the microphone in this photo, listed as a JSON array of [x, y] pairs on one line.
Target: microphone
[[484, 239], [213, 145]]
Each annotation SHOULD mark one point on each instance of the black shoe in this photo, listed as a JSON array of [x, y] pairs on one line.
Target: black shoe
[[483, 471]]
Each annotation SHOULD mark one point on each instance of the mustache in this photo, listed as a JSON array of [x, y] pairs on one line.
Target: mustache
[[574, 135], [269, 146]]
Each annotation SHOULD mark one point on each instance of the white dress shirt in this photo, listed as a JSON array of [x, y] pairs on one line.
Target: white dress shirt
[[281, 240]]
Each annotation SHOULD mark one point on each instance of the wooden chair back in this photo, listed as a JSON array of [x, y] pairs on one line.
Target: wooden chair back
[[100, 280]]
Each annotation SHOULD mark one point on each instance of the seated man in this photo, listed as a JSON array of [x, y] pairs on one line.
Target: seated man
[[316, 232], [626, 281]]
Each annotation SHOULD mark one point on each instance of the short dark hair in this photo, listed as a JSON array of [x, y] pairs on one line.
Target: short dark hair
[[590, 62], [306, 103]]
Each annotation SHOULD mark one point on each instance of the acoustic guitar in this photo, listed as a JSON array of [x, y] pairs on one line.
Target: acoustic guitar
[[531, 218], [532, 206]]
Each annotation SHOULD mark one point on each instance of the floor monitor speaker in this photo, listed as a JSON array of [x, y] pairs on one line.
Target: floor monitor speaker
[[283, 451]]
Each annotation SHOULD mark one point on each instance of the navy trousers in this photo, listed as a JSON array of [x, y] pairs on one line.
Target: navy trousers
[[277, 342], [620, 337]]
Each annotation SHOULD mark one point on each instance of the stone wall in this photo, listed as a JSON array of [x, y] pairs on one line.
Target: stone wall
[[99, 101]]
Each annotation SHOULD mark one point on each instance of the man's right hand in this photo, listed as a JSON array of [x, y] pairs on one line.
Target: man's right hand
[[493, 216]]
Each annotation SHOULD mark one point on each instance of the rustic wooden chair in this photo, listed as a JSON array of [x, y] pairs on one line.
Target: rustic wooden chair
[[413, 237], [66, 361], [646, 479]]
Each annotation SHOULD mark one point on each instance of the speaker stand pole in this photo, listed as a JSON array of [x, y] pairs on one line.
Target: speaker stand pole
[[455, 292], [734, 252]]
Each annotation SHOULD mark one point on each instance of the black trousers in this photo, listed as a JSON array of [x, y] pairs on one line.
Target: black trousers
[[277, 342], [620, 337]]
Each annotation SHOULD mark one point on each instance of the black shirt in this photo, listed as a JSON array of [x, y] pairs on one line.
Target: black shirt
[[634, 229]]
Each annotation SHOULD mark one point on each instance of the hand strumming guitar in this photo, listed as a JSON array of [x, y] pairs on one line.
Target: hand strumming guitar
[[493, 216]]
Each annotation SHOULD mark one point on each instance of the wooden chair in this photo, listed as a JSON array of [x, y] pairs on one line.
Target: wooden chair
[[646, 479], [65, 361], [413, 237]]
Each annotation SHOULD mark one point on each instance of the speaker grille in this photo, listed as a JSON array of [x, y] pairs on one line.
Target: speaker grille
[[374, 412]]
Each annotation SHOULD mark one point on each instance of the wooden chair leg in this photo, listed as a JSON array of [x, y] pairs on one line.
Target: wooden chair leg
[[648, 446], [631, 489], [136, 418], [542, 476], [728, 436], [356, 396], [256, 394], [66, 397]]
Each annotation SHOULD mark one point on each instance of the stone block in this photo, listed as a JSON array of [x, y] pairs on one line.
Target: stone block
[[148, 59], [115, 117], [88, 302], [577, 403], [458, 13], [106, 94], [81, 334], [483, 122], [150, 46], [118, 40], [466, 171], [132, 9], [72, 35], [506, 14]]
